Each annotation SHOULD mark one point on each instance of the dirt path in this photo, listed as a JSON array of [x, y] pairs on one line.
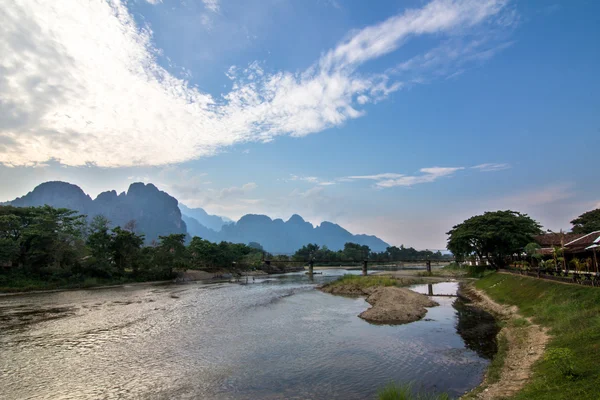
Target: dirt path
[[526, 342]]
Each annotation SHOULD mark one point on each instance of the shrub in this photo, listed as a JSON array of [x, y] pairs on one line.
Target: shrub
[[476, 271], [563, 360]]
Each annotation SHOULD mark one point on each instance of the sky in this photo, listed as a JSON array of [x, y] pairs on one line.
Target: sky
[[396, 118]]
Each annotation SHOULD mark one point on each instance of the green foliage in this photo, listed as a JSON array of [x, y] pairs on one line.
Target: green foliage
[[572, 313], [494, 236], [355, 253], [532, 248], [363, 282], [587, 222], [46, 248], [406, 392], [476, 271], [563, 360], [577, 264]]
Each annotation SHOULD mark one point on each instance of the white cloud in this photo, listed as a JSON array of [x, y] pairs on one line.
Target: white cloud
[[427, 175], [377, 177], [310, 179], [490, 167], [212, 5], [154, 1], [80, 84]]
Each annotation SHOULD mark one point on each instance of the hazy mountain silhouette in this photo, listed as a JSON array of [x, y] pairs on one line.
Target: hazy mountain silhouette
[[154, 212], [277, 236], [157, 213], [213, 222]]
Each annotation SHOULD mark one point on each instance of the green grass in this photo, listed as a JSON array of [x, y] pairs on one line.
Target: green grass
[[406, 392], [363, 282], [571, 367]]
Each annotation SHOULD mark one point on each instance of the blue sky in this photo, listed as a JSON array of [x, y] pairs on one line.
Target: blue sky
[[394, 118]]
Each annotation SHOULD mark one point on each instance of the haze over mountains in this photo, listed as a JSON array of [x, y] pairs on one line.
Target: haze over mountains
[[156, 213]]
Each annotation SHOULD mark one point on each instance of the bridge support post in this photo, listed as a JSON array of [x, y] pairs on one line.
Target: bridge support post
[[311, 264], [430, 289], [364, 268], [428, 264]]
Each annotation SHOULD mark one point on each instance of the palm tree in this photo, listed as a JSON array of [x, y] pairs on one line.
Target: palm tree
[[556, 254]]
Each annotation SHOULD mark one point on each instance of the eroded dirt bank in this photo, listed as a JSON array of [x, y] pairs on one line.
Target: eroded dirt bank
[[525, 344], [390, 304]]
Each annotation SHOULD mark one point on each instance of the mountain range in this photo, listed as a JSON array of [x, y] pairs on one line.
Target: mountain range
[[156, 213]]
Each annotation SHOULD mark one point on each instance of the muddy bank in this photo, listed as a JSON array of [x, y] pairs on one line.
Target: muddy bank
[[389, 304], [525, 344]]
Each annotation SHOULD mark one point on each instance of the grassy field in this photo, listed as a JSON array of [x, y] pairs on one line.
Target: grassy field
[[570, 368]]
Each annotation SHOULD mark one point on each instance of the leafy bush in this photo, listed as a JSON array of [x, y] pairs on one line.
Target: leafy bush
[[476, 271], [563, 360]]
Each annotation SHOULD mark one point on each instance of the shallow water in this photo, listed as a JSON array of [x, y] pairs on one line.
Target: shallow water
[[272, 338]]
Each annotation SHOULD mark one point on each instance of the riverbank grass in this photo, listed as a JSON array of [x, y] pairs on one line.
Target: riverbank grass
[[569, 368], [364, 282], [405, 392]]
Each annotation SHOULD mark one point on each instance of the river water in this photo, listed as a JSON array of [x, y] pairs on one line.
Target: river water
[[274, 338]]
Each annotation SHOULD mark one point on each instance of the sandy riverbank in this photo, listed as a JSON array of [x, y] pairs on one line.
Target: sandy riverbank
[[389, 304]]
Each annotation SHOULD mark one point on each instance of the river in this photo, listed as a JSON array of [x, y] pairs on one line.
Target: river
[[276, 337]]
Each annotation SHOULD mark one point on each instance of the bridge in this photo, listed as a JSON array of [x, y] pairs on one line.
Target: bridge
[[365, 264]]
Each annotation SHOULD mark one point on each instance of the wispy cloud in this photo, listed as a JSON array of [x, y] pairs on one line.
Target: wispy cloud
[[311, 179], [427, 175], [80, 84], [392, 179], [236, 191], [490, 167]]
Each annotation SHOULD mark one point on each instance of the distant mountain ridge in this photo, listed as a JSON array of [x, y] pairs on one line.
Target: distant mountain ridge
[[281, 237], [157, 213], [213, 222]]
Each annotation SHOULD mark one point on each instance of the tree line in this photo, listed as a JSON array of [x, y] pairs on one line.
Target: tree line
[[57, 244], [353, 252]]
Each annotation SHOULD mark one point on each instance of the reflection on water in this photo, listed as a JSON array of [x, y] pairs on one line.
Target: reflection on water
[[276, 337]]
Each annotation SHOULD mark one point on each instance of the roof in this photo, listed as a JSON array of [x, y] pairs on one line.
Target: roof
[[556, 239], [546, 251], [584, 241]]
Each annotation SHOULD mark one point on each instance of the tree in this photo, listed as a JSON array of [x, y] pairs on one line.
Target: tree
[[587, 222], [130, 225], [172, 252], [494, 235], [125, 248], [99, 241], [255, 245], [532, 250], [356, 252], [306, 253]]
